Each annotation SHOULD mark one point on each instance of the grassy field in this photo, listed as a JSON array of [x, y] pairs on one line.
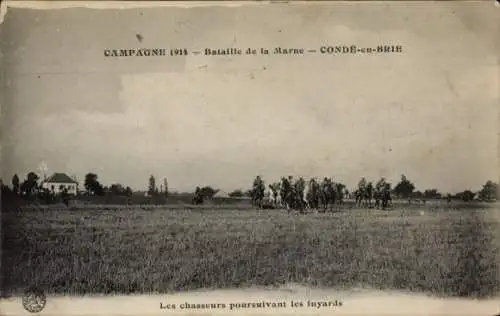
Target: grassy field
[[446, 252]]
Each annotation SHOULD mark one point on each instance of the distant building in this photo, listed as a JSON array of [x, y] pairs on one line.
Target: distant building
[[477, 196], [221, 195], [60, 181]]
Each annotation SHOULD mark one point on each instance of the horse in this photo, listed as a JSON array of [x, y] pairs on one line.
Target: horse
[[361, 191], [340, 190], [377, 195], [382, 194], [359, 195], [327, 194], [286, 194], [299, 201], [275, 194], [368, 195], [386, 199], [312, 194]]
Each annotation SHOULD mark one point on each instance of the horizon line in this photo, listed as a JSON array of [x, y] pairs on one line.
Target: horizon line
[[173, 189]]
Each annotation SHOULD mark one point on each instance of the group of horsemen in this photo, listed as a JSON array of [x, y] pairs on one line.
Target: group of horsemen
[[296, 194]]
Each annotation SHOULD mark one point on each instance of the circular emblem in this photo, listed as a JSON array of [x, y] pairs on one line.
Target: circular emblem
[[34, 300]]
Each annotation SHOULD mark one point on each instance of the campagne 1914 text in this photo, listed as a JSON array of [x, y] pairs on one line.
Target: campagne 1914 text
[[232, 51]]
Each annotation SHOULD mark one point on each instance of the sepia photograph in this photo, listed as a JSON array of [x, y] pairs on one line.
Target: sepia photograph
[[260, 158]]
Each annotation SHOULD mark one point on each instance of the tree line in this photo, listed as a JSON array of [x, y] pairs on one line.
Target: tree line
[[291, 192]]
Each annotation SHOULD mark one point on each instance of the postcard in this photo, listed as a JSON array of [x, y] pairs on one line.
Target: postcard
[[250, 158]]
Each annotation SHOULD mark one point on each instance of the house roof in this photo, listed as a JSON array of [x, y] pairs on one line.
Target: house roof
[[221, 194], [60, 178]]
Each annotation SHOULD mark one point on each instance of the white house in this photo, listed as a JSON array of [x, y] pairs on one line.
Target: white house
[[221, 195], [60, 181]]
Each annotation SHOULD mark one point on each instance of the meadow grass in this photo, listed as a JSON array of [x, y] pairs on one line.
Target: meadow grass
[[441, 252]]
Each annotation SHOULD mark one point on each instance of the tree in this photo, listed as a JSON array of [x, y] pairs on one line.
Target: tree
[[489, 192], [466, 195], [432, 194], [128, 191], [165, 186], [15, 184], [417, 194], [286, 192], [207, 192], [236, 193], [404, 188], [117, 190], [340, 187], [152, 186], [299, 187], [6, 191], [33, 179], [258, 191], [30, 184], [198, 198], [92, 184]]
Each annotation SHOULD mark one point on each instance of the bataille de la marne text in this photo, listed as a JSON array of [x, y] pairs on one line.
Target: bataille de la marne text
[[331, 50]]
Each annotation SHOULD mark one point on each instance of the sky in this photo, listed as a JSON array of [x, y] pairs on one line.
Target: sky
[[430, 112]]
